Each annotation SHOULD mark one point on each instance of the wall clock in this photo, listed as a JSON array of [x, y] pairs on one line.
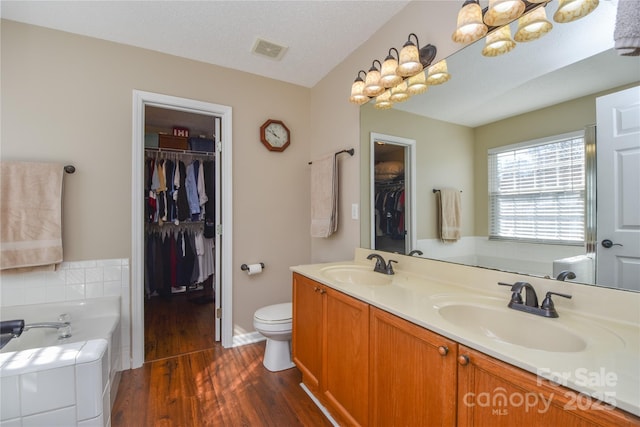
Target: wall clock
[[275, 135]]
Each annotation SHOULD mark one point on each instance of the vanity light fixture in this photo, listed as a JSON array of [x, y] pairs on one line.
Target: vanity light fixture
[[409, 62], [499, 42], [372, 86], [533, 25], [417, 84], [470, 26], [383, 101], [388, 74], [357, 90], [438, 73], [502, 12], [399, 92], [570, 10], [389, 83]]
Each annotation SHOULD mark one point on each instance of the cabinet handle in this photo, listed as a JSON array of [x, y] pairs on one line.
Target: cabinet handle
[[316, 289], [322, 291], [463, 359], [443, 350]]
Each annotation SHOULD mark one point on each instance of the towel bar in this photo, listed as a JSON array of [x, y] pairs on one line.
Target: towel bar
[[435, 190], [351, 151]]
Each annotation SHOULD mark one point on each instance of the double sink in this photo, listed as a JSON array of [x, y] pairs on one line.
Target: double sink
[[489, 317]]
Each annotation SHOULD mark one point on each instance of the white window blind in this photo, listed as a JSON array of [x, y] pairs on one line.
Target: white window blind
[[537, 191]]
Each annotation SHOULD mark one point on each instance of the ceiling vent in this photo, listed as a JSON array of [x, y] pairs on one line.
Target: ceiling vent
[[268, 49]]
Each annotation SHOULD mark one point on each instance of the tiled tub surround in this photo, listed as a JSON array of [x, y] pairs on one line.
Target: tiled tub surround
[[75, 281], [71, 381], [421, 286]]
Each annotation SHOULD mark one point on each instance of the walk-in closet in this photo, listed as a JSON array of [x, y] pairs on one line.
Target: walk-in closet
[[179, 231], [389, 197]]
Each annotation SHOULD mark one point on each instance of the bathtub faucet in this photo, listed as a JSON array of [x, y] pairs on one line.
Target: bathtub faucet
[[52, 325], [10, 329]]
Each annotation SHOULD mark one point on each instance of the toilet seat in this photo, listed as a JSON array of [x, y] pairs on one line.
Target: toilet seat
[[275, 314]]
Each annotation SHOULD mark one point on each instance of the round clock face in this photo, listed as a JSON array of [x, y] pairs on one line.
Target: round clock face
[[274, 135]]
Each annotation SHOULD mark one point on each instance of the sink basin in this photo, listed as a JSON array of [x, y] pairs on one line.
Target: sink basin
[[501, 324], [349, 275]]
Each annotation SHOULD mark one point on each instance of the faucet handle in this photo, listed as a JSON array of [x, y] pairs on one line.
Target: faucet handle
[[390, 266], [516, 298], [547, 303]]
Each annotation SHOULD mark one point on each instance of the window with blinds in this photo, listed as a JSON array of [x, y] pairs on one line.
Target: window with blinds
[[537, 191]]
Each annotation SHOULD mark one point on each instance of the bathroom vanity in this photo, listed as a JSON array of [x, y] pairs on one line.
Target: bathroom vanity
[[414, 349]]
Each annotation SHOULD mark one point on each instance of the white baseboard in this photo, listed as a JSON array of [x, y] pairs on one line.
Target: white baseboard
[[319, 405], [250, 338]]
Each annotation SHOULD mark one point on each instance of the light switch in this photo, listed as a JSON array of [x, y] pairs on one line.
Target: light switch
[[354, 211]]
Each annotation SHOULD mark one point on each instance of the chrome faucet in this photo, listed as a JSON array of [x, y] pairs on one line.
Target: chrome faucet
[[530, 305], [382, 266], [415, 252], [52, 325], [10, 329], [566, 274]]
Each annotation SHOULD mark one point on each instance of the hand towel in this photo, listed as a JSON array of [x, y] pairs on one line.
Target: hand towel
[[31, 214], [324, 196], [449, 214], [627, 30]]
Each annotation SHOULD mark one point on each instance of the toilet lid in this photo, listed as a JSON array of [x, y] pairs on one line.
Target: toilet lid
[[275, 313]]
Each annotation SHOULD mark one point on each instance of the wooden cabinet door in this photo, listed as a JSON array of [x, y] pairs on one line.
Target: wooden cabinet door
[[494, 393], [345, 384], [308, 314], [412, 374]]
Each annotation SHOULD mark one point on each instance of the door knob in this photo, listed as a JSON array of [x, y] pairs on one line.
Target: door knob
[[606, 243]]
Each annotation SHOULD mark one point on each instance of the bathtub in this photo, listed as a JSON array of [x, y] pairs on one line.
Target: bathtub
[[47, 381]]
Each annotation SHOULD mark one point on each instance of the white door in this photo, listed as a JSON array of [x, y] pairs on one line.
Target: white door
[[618, 189]]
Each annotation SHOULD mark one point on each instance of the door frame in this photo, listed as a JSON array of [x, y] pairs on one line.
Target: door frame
[[224, 280], [409, 186]]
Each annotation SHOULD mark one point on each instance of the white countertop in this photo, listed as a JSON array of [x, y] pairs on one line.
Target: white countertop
[[608, 368]]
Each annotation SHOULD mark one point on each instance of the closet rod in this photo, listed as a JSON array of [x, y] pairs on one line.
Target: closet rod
[[351, 151], [435, 190], [177, 151]]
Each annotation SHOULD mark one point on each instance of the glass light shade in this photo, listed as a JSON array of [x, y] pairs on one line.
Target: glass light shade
[[383, 101], [417, 84], [372, 86], [399, 93], [532, 26], [409, 63], [388, 76], [502, 12], [438, 73], [499, 42], [570, 10], [357, 95], [470, 26]]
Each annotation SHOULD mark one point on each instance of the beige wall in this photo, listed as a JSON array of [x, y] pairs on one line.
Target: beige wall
[[444, 158], [68, 98]]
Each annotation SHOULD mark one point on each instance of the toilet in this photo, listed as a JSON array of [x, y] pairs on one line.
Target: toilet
[[275, 323]]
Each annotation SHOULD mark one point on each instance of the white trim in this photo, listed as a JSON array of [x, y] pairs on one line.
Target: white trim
[[409, 186], [536, 142], [140, 99], [248, 338]]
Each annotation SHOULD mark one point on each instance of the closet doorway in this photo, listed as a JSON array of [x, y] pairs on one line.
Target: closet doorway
[[179, 247], [392, 193], [181, 271]]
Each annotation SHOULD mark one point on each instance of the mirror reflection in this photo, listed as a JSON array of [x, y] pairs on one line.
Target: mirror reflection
[[541, 91]]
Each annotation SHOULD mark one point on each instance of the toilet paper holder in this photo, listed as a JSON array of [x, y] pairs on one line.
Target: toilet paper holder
[[245, 267]]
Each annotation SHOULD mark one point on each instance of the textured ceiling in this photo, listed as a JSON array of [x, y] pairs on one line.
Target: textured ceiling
[[318, 34]]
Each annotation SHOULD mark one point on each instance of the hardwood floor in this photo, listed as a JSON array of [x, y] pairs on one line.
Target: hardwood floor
[[213, 387], [178, 325]]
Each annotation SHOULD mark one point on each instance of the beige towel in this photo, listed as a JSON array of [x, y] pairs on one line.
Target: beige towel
[[31, 214], [449, 214], [324, 196]]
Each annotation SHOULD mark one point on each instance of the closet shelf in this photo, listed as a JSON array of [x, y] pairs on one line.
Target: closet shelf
[[177, 151]]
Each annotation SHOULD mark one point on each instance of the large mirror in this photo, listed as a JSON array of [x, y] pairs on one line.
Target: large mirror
[[542, 88]]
